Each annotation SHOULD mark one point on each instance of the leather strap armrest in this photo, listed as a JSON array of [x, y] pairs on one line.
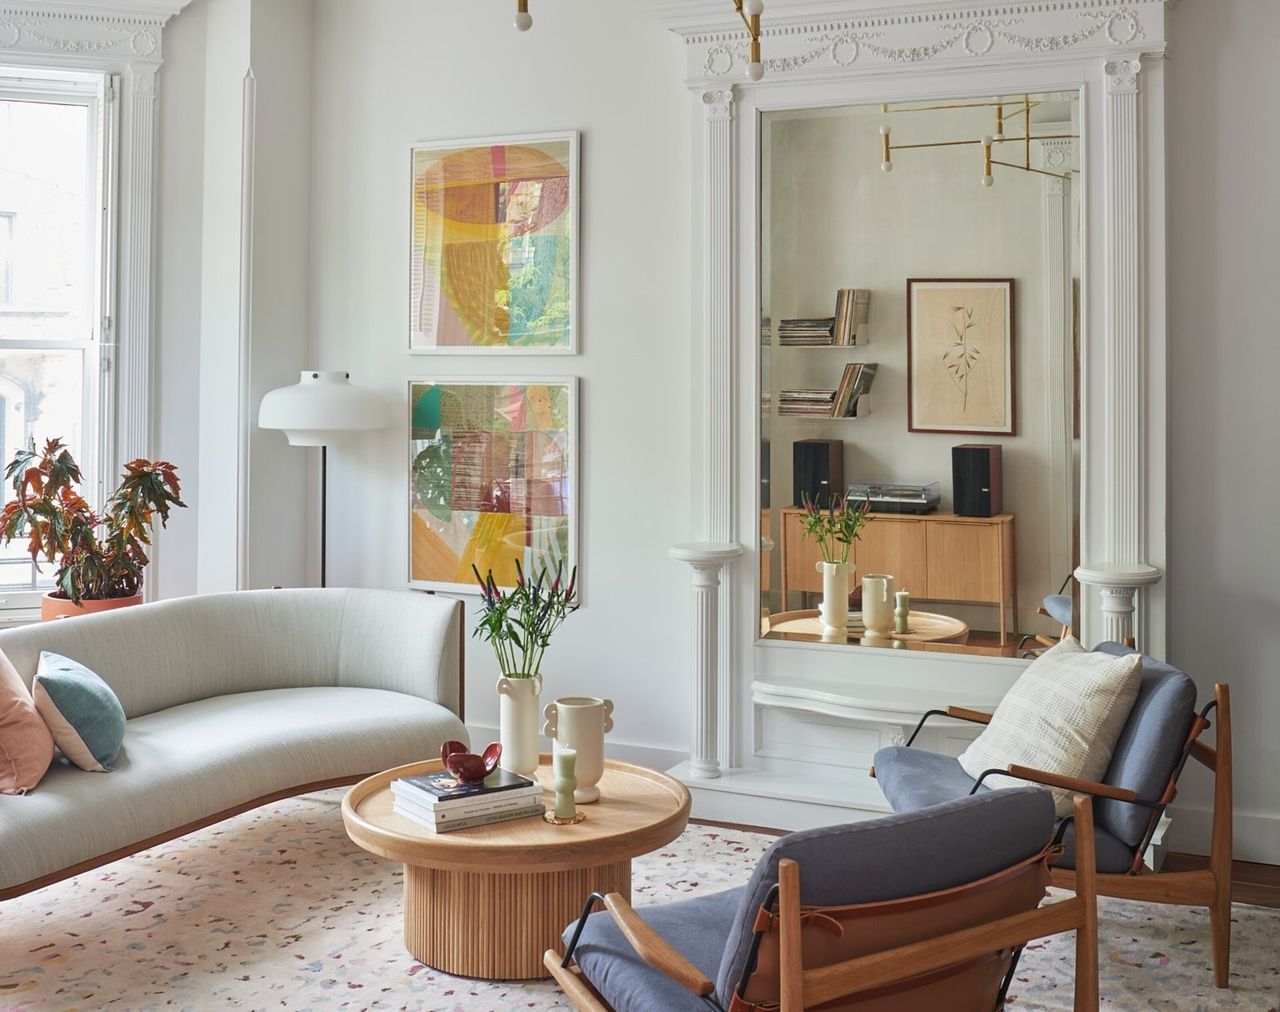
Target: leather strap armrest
[[654, 949]]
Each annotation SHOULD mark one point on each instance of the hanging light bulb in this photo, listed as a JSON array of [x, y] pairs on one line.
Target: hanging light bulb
[[886, 165], [750, 11], [987, 178], [524, 20]]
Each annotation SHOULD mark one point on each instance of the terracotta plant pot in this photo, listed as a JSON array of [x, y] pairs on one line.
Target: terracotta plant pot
[[60, 607]]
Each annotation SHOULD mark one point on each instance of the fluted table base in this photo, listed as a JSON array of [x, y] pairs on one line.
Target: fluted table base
[[494, 926]]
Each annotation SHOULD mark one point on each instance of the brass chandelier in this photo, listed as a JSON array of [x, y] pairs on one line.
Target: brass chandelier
[[748, 10], [1005, 111]]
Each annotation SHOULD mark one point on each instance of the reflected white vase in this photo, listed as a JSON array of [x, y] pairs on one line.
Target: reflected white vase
[[580, 723], [518, 723], [878, 603], [835, 595]]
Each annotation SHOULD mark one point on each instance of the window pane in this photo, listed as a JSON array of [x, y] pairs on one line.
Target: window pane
[[42, 395], [47, 221]]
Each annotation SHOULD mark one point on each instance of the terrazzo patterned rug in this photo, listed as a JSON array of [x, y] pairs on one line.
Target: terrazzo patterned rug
[[277, 909]]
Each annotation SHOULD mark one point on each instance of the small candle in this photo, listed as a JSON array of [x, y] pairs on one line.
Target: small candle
[[565, 762], [902, 612]]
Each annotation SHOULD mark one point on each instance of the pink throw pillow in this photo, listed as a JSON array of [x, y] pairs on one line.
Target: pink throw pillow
[[26, 746]]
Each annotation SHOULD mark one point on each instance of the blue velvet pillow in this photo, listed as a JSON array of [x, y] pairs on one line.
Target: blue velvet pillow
[[83, 714]]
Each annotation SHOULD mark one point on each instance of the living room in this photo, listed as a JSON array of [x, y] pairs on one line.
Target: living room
[[401, 288]]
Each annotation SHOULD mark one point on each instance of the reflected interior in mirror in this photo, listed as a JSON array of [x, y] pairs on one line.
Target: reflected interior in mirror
[[920, 292]]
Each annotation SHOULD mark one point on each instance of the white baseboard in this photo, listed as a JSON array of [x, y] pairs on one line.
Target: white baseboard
[[627, 752], [1256, 834]]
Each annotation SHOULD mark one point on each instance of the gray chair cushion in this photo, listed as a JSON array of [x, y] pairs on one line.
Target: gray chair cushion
[[1059, 608], [697, 928], [899, 855], [1149, 746], [188, 762], [915, 778]]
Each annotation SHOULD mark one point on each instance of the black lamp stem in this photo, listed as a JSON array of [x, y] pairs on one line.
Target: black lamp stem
[[324, 510]]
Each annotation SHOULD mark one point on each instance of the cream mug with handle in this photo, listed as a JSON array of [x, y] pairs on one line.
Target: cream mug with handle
[[878, 603], [581, 722]]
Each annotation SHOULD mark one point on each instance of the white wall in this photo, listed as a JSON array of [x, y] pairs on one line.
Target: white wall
[[392, 72], [1224, 572]]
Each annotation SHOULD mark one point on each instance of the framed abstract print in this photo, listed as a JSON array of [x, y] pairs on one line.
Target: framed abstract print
[[492, 480], [960, 356], [494, 253]]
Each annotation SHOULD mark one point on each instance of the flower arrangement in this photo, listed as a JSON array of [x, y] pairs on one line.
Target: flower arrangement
[[519, 622], [835, 529], [98, 557]]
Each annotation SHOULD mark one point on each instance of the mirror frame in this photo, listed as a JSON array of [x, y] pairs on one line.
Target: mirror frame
[[856, 52]]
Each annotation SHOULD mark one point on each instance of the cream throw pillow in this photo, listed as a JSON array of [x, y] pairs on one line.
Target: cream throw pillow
[[1064, 715]]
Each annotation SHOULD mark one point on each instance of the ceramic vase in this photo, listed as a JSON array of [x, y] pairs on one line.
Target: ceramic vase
[[878, 603], [580, 723], [518, 723], [835, 595]]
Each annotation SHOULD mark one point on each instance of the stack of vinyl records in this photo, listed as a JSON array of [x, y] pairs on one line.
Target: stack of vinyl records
[[440, 803], [813, 403], [855, 382], [802, 333], [853, 306]]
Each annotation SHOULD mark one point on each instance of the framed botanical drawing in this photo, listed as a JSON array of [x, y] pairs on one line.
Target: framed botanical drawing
[[492, 479], [494, 252], [960, 356]]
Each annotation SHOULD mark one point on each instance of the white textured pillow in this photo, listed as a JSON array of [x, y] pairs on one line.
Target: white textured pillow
[[1064, 715]]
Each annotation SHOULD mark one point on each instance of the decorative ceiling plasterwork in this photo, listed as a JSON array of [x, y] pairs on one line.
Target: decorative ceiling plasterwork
[[943, 31], [123, 35]]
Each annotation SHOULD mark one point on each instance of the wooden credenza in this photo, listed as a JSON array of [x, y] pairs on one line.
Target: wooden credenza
[[935, 556]]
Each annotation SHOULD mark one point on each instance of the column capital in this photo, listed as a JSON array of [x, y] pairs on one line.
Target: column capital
[[1122, 76], [717, 103]]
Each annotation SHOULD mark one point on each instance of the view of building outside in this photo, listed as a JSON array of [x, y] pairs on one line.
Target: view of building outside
[[48, 285]]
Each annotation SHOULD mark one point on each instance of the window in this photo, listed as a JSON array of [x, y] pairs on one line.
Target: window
[[54, 280]]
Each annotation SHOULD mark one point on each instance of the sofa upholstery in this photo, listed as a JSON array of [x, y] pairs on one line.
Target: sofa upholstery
[[232, 698]]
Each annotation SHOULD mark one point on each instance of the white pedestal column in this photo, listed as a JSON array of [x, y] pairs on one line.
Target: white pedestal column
[[1118, 584], [706, 559]]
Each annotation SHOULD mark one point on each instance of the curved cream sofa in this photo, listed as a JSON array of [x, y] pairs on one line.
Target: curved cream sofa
[[233, 700]]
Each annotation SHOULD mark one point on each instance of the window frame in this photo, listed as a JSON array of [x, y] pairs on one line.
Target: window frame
[[98, 91]]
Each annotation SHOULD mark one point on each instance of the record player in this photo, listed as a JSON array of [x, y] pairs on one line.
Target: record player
[[896, 497]]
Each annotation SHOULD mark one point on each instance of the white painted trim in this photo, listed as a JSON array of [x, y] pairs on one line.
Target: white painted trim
[[1256, 835], [246, 417], [824, 53]]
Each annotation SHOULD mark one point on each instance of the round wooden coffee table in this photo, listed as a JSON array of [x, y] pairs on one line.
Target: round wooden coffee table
[[489, 901]]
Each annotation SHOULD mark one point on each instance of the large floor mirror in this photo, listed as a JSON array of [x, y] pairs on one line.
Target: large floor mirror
[[919, 358]]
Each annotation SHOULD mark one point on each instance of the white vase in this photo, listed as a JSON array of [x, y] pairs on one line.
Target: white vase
[[580, 723], [518, 723], [877, 603], [835, 595]]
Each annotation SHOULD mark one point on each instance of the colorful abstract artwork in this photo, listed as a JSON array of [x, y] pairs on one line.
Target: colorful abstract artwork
[[491, 480], [494, 258]]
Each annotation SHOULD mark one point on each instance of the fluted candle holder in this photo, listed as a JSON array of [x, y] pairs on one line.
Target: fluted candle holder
[[566, 813]]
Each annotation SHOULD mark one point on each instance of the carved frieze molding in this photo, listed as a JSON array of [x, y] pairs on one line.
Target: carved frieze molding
[[913, 34], [84, 33]]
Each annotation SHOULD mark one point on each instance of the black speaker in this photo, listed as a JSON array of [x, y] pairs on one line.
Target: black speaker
[[977, 479], [817, 471]]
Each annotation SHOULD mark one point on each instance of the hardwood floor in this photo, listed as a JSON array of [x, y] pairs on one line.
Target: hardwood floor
[[1258, 884]]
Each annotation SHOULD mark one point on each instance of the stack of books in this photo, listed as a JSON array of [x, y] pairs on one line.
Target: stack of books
[[802, 333], [438, 802], [813, 403]]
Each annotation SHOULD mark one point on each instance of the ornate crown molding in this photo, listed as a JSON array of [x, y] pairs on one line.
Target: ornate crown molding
[[835, 35], [124, 33]]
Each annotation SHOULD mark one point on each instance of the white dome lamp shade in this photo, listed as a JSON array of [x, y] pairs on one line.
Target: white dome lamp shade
[[322, 409]]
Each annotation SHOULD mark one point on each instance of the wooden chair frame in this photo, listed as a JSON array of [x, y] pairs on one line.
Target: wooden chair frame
[[1209, 887], [801, 988]]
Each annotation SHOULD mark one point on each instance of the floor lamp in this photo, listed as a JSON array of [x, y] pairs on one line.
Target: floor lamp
[[321, 409]]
